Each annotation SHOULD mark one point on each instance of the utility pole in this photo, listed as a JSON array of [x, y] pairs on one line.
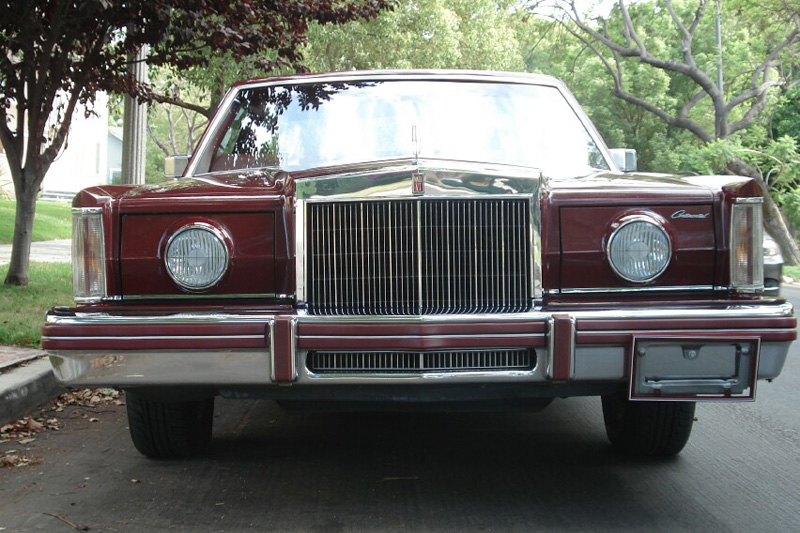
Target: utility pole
[[719, 49], [134, 125]]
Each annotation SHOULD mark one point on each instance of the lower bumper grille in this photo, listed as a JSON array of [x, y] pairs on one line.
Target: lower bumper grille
[[420, 362]]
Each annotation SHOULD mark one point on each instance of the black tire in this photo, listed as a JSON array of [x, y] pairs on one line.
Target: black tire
[[169, 430], [650, 429]]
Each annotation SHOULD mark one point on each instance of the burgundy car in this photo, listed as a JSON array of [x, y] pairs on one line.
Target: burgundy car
[[417, 238]]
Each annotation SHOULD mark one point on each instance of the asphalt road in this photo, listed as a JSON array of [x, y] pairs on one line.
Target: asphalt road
[[551, 471]]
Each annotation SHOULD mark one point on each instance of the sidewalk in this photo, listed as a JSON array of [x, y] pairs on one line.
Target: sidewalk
[[42, 251], [26, 378]]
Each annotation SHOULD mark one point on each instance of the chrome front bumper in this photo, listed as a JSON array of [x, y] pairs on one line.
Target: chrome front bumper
[[229, 350]]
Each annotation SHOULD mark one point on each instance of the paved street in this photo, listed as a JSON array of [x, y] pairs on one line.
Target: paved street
[[269, 470]]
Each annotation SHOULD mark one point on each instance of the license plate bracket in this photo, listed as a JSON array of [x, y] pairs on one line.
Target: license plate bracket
[[692, 368]]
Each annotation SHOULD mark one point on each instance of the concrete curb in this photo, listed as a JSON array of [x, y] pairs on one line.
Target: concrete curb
[[24, 387]]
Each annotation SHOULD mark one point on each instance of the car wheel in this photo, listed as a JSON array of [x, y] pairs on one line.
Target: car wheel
[[653, 429], [166, 430]]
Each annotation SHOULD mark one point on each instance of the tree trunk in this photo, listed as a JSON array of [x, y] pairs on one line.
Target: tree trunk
[[773, 220], [23, 234]]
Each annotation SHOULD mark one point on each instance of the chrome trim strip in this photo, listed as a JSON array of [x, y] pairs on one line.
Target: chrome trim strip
[[476, 336], [153, 337], [593, 290], [739, 311], [669, 332], [572, 342], [141, 297], [300, 221], [753, 200], [86, 210], [90, 299], [272, 374], [551, 347], [293, 347], [178, 318], [420, 301]]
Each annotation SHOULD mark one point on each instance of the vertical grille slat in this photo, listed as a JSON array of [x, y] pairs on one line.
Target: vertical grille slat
[[418, 256]]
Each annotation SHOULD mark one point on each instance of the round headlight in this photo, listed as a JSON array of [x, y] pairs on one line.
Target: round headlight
[[197, 257], [639, 250]]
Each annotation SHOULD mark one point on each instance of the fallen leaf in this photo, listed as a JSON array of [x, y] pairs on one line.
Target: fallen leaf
[[17, 460], [34, 425]]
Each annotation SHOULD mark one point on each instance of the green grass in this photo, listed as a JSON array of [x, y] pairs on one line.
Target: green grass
[[791, 271], [22, 309], [53, 220]]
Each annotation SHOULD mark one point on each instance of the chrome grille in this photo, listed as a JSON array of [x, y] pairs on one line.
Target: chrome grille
[[418, 256], [322, 362]]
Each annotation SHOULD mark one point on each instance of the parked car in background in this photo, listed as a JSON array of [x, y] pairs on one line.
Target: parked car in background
[[773, 266], [375, 239]]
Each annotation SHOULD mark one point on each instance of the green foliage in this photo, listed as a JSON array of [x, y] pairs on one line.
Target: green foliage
[[792, 271], [778, 161], [459, 34], [789, 202], [53, 221], [22, 309], [549, 49], [786, 119], [154, 162]]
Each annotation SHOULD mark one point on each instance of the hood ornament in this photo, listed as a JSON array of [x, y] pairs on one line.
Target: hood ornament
[[417, 177]]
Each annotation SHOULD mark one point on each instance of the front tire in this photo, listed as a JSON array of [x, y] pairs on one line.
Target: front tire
[[169, 430], [650, 429]]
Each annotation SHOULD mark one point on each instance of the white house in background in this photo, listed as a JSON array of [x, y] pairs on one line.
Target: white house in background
[[82, 163], [114, 159], [6, 185]]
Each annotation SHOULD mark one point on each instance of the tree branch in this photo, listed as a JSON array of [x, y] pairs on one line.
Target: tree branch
[[691, 71], [174, 100], [680, 122], [691, 103], [757, 89], [156, 141], [168, 111]]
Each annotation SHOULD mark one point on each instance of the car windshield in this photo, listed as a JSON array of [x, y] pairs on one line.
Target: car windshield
[[306, 126]]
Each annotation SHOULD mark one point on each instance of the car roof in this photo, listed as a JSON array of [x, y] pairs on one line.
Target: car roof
[[411, 74]]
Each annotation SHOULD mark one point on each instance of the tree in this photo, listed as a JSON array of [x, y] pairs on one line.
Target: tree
[[456, 34], [172, 129], [59, 53], [475, 34], [676, 38]]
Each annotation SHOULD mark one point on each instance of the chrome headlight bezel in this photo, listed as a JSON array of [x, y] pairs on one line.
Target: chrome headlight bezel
[[220, 238], [659, 264]]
